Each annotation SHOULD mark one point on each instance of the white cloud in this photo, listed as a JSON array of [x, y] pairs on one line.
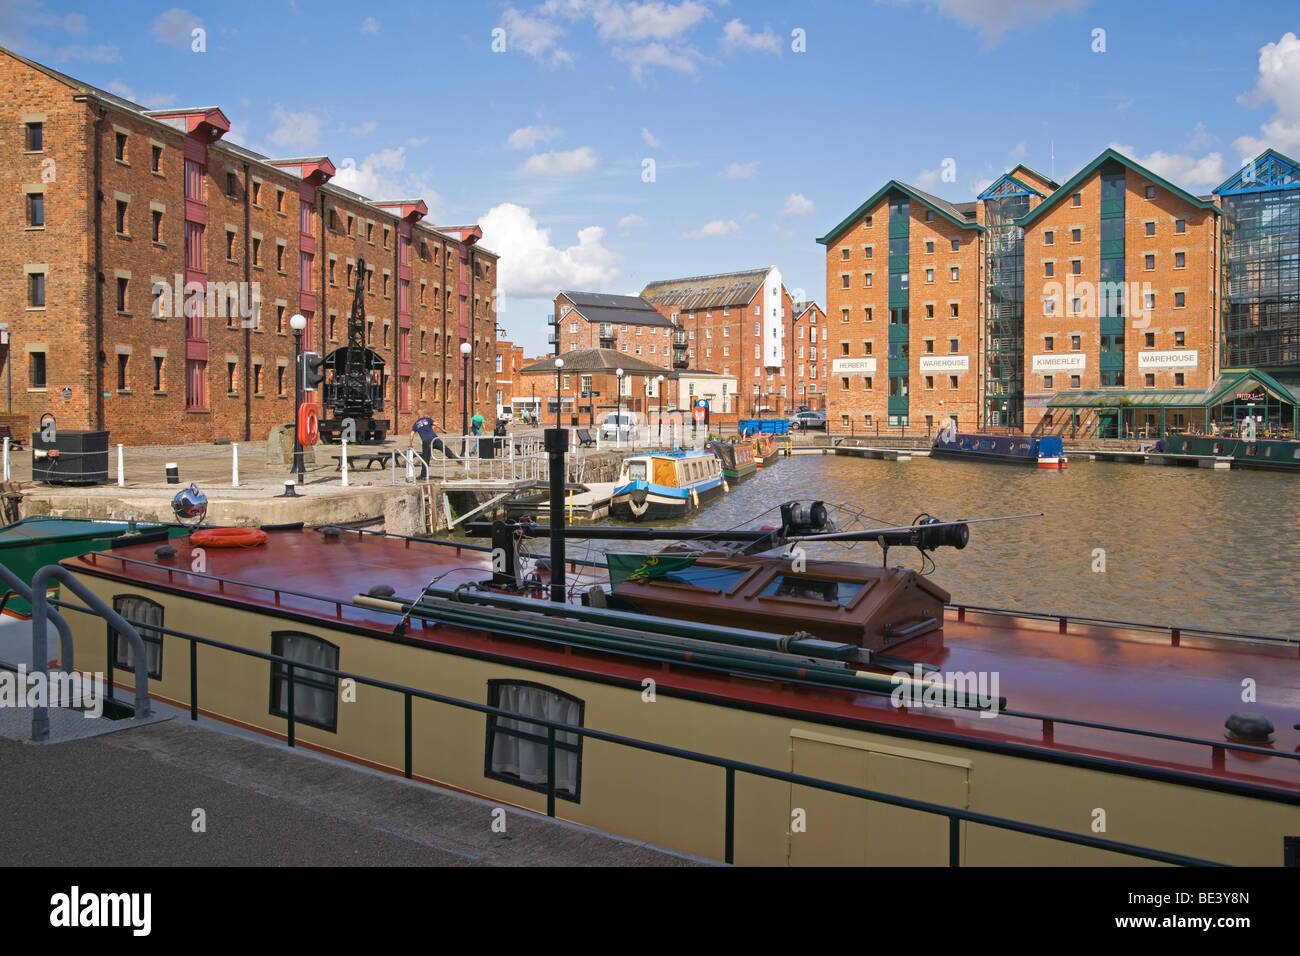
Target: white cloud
[[98, 53], [929, 178], [1181, 169], [294, 129], [526, 137], [994, 17], [417, 141], [640, 59], [1019, 151], [741, 170], [631, 221], [650, 138], [717, 229], [365, 129], [174, 27], [370, 26], [633, 22], [1201, 138], [535, 36], [533, 268], [383, 175], [573, 162], [738, 38], [1278, 83], [158, 101], [797, 204]]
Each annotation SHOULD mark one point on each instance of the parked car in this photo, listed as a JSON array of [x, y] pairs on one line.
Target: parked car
[[814, 419], [619, 426]]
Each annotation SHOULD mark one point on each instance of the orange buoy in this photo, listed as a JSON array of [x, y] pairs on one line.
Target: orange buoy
[[308, 423], [228, 537]]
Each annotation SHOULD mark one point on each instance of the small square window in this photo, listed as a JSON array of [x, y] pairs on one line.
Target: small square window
[[1077, 199], [1180, 225], [36, 210], [1179, 380], [35, 137], [952, 345], [1076, 266], [1048, 343], [929, 245], [36, 291], [1074, 381], [929, 310], [954, 273], [956, 244], [1049, 268], [1075, 342], [1151, 192], [1150, 228], [1180, 339], [845, 281], [1180, 260], [1150, 380], [953, 306], [929, 275], [845, 251], [1150, 340], [1049, 238], [1047, 381], [1076, 235], [929, 215], [952, 381], [1149, 262], [1180, 300]]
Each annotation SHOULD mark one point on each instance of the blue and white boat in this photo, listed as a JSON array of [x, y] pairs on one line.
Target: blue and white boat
[[662, 484], [1045, 452]]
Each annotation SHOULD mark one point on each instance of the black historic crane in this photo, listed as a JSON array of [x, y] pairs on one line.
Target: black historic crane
[[354, 378]]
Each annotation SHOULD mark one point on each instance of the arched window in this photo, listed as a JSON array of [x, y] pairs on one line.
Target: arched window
[[315, 695], [516, 749], [147, 616]]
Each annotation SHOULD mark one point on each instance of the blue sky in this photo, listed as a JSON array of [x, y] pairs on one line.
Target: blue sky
[[757, 149]]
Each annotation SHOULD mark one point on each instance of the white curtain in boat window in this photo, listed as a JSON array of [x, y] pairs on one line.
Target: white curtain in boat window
[[516, 755], [315, 695], [147, 617]]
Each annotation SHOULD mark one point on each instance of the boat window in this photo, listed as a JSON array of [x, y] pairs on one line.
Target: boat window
[[147, 616], [718, 579], [636, 470], [315, 695], [813, 589], [516, 749]]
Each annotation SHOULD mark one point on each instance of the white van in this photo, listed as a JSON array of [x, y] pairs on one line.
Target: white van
[[619, 426]]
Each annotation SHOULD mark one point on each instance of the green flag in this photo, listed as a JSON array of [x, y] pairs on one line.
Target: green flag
[[623, 567]]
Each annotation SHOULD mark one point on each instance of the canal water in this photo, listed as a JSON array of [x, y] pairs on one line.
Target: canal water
[[1186, 546]]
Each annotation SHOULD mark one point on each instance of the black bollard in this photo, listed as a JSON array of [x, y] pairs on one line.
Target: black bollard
[[557, 443]]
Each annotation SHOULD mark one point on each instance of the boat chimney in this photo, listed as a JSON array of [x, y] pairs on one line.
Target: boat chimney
[[557, 443]]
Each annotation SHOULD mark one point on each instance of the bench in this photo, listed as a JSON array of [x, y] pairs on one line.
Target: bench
[[584, 438], [370, 458]]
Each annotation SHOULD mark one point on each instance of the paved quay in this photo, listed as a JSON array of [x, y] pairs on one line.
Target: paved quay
[[129, 798]]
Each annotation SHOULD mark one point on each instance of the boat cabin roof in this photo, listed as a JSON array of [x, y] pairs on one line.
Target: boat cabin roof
[[1154, 681]]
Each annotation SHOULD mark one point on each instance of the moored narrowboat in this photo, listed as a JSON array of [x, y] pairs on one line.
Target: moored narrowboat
[[663, 484], [1268, 454], [1044, 452], [737, 458]]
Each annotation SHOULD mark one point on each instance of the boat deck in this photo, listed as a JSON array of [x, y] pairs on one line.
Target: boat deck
[[1143, 680]]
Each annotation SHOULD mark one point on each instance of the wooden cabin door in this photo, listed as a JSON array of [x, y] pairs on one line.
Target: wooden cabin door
[[831, 829]]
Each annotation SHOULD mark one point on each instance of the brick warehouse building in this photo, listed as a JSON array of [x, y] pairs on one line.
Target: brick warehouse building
[[1072, 308], [736, 324], [98, 334]]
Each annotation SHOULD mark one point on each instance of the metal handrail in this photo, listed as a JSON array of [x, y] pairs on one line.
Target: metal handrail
[[1217, 747], [954, 815]]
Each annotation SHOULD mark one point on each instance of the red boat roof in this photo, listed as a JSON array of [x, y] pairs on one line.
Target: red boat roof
[[1143, 680]]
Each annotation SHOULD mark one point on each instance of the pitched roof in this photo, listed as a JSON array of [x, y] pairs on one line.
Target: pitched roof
[[960, 214], [594, 360], [1268, 171], [606, 301], [720, 290], [1106, 156]]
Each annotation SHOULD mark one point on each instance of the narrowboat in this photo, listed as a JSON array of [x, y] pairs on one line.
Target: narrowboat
[[1045, 452], [737, 458], [663, 484], [487, 669], [1267, 454]]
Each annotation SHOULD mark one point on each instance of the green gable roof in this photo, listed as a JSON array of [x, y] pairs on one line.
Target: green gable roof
[[1109, 154], [930, 202]]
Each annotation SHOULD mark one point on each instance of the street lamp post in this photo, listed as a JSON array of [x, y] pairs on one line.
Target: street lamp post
[[559, 364], [298, 322], [465, 349], [659, 387], [618, 416], [557, 443]]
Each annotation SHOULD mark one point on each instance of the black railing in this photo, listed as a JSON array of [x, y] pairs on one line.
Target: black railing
[[954, 815]]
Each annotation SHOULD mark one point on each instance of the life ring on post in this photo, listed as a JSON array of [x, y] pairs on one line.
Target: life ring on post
[[308, 423], [228, 537]]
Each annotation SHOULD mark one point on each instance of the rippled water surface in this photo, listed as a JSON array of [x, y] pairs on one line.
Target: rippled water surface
[[1186, 546]]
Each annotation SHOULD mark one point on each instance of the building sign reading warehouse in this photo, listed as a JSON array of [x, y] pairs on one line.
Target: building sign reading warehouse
[[1171, 358], [945, 363]]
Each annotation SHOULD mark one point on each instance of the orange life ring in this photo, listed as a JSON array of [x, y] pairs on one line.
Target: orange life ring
[[308, 423], [228, 537]]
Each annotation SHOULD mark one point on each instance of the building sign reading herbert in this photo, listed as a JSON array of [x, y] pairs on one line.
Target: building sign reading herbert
[[1065, 362], [853, 366], [945, 363], [1171, 358]]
